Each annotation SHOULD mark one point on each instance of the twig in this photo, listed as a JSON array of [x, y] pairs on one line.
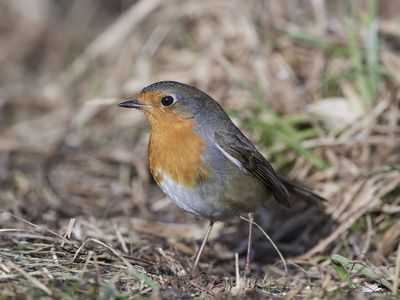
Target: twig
[[127, 263], [273, 244], [396, 274], [68, 232], [237, 271], [30, 278]]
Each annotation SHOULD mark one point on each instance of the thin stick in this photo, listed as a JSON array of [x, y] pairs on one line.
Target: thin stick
[[396, 273], [127, 263], [28, 276], [67, 234], [237, 271], [273, 244], [196, 262], [32, 224]]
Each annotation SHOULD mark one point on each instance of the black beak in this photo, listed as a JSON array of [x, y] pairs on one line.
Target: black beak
[[133, 104]]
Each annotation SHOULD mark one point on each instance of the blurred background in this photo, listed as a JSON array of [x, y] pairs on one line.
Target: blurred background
[[313, 84]]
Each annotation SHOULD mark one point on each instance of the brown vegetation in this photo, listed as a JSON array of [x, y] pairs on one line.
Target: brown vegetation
[[314, 84]]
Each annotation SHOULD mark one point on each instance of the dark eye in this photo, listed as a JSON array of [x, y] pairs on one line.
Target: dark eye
[[167, 101]]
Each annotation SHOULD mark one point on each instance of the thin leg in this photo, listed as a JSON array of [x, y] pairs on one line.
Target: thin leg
[[196, 262], [247, 268]]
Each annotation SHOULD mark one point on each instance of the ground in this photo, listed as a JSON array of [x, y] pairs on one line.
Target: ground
[[313, 84]]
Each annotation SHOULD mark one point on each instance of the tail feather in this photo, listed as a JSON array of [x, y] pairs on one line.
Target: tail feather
[[303, 193]]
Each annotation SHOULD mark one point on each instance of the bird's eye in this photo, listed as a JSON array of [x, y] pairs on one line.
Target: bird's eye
[[167, 100]]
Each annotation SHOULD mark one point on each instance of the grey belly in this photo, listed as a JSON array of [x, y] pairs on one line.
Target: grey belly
[[219, 199]]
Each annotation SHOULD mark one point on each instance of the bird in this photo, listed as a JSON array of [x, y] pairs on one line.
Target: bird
[[204, 163]]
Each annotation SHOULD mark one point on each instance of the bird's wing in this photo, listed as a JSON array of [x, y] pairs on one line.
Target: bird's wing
[[240, 151]]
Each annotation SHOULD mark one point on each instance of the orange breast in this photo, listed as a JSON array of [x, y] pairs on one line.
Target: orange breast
[[175, 151]]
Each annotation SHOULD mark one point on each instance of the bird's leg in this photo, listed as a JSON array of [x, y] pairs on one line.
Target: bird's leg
[[247, 267], [196, 262]]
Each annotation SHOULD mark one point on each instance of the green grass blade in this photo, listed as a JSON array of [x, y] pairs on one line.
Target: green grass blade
[[283, 130], [143, 278], [317, 43], [372, 47], [342, 272], [356, 57], [340, 262]]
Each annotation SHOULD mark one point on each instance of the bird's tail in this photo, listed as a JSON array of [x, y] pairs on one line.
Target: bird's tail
[[303, 193]]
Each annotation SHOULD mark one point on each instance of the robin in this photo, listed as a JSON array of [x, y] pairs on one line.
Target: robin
[[203, 162]]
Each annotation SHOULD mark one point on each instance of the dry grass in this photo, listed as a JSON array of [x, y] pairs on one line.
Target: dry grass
[[315, 84]]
